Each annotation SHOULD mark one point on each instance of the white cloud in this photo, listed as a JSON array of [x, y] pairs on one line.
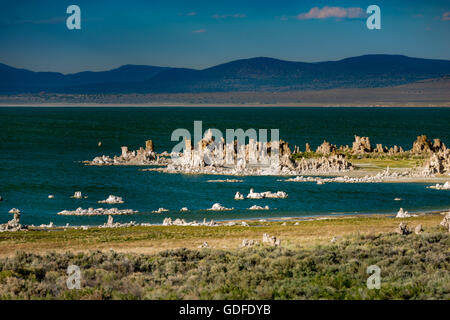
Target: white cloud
[[446, 16], [332, 12], [189, 14], [224, 16]]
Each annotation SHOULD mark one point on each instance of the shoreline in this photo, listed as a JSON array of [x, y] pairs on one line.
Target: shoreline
[[224, 222], [213, 105], [307, 233]]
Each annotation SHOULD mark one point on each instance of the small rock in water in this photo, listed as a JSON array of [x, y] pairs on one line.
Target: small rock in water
[[50, 196], [160, 210], [219, 207], [255, 207], [184, 209], [1, 199], [112, 200], [238, 196], [77, 195], [398, 199], [445, 186], [99, 143]]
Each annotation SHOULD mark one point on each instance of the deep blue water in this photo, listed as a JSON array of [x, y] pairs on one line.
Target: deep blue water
[[40, 150]]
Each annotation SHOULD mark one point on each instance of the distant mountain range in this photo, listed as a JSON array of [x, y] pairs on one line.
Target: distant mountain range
[[255, 74]]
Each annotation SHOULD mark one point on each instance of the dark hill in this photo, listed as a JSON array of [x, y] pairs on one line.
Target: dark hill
[[255, 74]]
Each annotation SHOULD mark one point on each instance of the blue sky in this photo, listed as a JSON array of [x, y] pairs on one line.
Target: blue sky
[[199, 34]]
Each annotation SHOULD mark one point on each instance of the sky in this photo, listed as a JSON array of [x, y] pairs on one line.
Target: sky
[[199, 34]]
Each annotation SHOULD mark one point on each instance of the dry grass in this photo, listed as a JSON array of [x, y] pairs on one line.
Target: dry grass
[[158, 238]]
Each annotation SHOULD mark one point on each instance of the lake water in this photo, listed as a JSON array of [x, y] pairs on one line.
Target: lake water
[[41, 150]]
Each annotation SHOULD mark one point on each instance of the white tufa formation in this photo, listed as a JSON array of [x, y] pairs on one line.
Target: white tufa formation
[[160, 210], [209, 156], [112, 200], [446, 221], [404, 214], [219, 207], [142, 156], [255, 207], [96, 212], [267, 194], [77, 195], [445, 186], [14, 224], [271, 240], [238, 196], [182, 222]]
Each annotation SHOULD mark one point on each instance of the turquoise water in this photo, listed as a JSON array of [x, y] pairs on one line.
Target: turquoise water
[[40, 150]]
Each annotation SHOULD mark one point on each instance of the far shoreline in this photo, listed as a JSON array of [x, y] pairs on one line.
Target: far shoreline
[[188, 105]]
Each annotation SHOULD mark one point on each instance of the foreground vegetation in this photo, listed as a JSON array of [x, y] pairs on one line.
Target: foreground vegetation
[[412, 267]]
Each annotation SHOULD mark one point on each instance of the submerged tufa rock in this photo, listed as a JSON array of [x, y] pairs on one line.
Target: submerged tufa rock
[[219, 207], [112, 200], [255, 207], [96, 212], [238, 196], [77, 195]]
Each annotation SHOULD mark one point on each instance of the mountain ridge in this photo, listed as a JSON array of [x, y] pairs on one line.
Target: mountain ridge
[[252, 74]]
